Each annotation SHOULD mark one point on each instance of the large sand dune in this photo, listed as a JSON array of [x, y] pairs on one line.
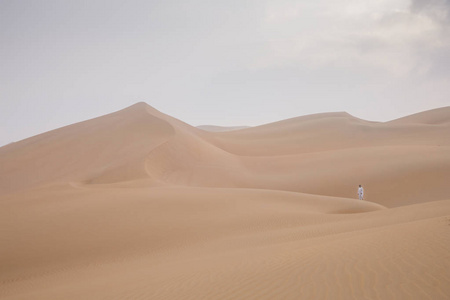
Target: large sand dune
[[139, 205]]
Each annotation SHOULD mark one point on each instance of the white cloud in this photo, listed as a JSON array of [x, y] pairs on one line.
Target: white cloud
[[385, 35]]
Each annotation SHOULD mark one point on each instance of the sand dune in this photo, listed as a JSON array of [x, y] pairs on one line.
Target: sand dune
[[139, 205], [221, 128]]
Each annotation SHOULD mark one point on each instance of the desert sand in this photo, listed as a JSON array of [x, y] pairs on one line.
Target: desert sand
[[139, 205]]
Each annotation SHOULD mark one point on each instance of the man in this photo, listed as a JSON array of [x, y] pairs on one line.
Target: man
[[361, 193]]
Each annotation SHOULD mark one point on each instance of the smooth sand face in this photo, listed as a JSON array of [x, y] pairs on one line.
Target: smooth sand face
[[138, 205]]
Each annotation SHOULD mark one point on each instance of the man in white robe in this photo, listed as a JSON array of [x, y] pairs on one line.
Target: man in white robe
[[361, 193]]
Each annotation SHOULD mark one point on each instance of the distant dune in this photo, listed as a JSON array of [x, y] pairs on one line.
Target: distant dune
[[139, 205], [439, 116], [221, 128]]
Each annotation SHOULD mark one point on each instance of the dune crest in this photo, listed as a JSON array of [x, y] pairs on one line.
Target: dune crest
[[221, 128], [438, 116]]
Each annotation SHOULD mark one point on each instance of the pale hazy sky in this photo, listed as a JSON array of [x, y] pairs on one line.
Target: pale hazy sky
[[233, 62]]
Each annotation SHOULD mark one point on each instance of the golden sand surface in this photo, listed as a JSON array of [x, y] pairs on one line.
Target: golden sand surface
[[139, 205]]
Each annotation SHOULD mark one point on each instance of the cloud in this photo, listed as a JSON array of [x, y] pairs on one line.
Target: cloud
[[439, 10], [396, 37]]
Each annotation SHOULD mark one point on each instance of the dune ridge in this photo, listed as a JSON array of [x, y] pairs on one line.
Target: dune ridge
[[139, 205], [214, 128]]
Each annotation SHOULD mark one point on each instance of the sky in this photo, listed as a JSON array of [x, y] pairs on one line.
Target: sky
[[227, 63]]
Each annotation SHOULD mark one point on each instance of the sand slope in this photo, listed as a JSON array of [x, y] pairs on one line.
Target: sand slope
[[139, 205]]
